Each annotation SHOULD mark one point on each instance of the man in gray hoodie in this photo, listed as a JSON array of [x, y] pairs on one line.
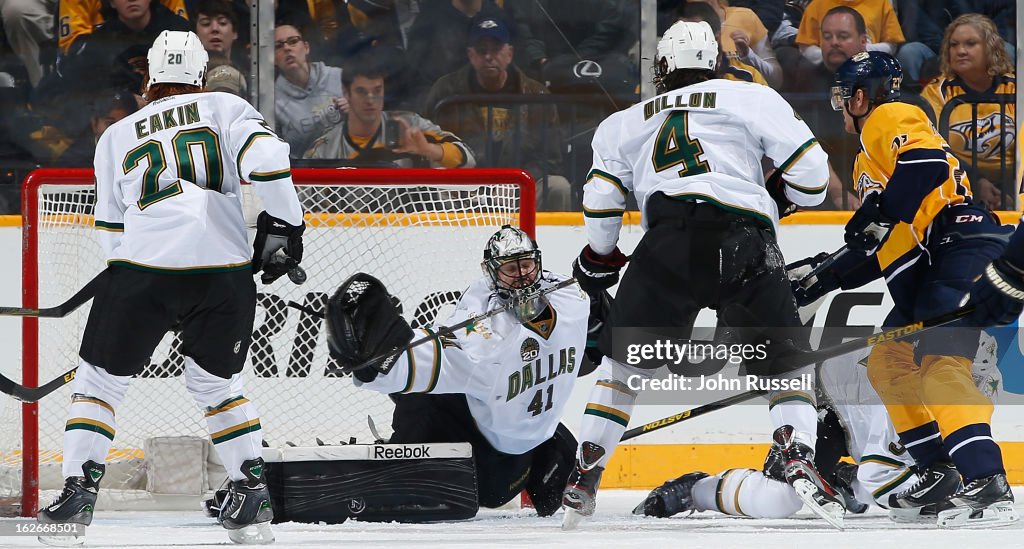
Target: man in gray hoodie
[[307, 96]]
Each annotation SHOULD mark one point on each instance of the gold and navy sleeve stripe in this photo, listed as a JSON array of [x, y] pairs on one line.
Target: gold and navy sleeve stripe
[[235, 431], [605, 176], [608, 413], [882, 460], [109, 226], [227, 405], [270, 176], [894, 483], [793, 159], [245, 147], [86, 424], [791, 396]]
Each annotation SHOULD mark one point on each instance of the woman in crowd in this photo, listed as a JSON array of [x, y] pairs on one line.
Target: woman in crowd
[[976, 72]]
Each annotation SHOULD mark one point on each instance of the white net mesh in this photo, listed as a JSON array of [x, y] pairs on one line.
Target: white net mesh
[[422, 240]]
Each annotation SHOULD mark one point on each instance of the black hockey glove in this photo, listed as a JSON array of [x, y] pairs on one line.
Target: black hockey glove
[[272, 234], [777, 190], [808, 287], [600, 308], [869, 227], [363, 324], [596, 273], [998, 295]]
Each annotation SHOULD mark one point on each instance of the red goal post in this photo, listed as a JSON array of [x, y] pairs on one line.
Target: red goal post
[[421, 230]]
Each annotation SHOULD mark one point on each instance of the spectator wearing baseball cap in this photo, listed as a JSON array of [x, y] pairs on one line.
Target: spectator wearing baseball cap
[[226, 78], [503, 135], [439, 36]]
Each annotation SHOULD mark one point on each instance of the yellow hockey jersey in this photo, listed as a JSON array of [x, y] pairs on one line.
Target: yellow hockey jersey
[[892, 130], [78, 17]]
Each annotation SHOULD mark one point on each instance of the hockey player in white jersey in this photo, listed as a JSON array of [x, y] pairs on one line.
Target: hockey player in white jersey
[[500, 384], [854, 422], [169, 218], [692, 157]]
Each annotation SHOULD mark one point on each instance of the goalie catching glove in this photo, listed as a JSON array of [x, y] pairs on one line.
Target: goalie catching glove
[[273, 234], [363, 322], [596, 273]]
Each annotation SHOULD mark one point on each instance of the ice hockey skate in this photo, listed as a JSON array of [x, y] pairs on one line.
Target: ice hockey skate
[[671, 498], [579, 497], [981, 503], [74, 505], [812, 489], [245, 511], [935, 484]]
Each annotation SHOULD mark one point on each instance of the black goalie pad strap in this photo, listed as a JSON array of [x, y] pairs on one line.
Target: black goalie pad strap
[[363, 321]]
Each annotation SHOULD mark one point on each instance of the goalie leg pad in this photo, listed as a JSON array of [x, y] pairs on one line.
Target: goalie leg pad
[[377, 483], [553, 461], [363, 322]]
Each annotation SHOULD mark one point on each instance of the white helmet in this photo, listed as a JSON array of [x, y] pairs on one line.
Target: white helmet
[[687, 45], [177, 57]]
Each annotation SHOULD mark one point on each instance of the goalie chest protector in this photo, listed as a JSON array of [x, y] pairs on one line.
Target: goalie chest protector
[[372, 482]]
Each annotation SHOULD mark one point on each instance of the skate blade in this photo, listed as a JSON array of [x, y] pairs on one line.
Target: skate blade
[[571, 519], [998, 514], [62, 541], [910, 516], [831, 512], [254, 534]]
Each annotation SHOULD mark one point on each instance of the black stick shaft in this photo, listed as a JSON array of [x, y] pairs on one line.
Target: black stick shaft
[[804, 359]]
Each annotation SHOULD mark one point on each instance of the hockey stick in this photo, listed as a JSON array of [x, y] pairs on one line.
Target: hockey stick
[[444, 330], [32, 394], [62, 310], [296, 274], [803, 359]]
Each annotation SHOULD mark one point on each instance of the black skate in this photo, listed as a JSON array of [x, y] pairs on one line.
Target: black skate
[[809, 485], [579, 496], [982, 503], [919, 503], [673, 497], [74, 505], [245, 511]]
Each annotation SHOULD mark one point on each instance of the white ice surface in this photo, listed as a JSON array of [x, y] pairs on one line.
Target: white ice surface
[[612, 526]]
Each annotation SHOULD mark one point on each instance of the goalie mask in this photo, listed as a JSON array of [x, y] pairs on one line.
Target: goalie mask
[[512, 263]]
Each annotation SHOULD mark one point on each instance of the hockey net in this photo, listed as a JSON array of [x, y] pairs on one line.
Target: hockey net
[[421, 232]]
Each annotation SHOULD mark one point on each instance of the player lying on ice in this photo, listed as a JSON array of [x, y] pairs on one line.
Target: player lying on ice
[[853, 423], [919, 229], [500, 384], [178, 254]]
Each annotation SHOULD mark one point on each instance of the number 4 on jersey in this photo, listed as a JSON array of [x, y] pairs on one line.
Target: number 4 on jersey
[[673, 147]]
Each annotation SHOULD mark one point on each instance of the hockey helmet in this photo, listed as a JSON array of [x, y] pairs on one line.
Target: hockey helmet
[[686, 45], [512, 263], [177, 57], [877, 73]]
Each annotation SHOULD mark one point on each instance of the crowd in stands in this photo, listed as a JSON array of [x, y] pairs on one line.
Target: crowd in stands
[[498, 83]]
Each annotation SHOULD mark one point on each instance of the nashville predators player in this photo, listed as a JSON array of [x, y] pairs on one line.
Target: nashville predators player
[[917, 227]]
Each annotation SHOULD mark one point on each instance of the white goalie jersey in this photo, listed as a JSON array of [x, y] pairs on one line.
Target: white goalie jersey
[[517, 377], [168, 183], [703, 142]]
